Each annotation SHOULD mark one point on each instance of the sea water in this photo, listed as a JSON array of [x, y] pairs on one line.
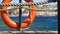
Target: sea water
[[40, 23]]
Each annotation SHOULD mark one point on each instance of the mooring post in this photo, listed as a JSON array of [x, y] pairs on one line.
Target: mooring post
[[20, 14]]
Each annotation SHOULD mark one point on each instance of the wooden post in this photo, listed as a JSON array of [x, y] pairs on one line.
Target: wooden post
[[20, 14]]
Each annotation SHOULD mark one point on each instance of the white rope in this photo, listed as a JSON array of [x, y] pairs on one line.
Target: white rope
[[20, 5], [27, 9], [23, 4]]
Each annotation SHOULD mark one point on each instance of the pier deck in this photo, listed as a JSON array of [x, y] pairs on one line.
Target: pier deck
[[28, 32]]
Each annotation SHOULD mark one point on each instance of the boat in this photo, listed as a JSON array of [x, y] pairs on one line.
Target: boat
[[47, 15], [23, 15]]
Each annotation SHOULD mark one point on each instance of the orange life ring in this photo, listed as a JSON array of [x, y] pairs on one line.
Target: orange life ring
[[11, 23]]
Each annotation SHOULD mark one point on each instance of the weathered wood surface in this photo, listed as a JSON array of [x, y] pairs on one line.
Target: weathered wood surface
[[29, 32]]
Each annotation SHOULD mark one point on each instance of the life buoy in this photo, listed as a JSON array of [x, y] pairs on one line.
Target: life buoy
[[11, 23]]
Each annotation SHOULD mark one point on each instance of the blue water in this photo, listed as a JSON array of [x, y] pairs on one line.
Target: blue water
[[40, 23]]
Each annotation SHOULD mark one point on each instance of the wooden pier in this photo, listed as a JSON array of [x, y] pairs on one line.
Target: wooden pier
[[28, 32]]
